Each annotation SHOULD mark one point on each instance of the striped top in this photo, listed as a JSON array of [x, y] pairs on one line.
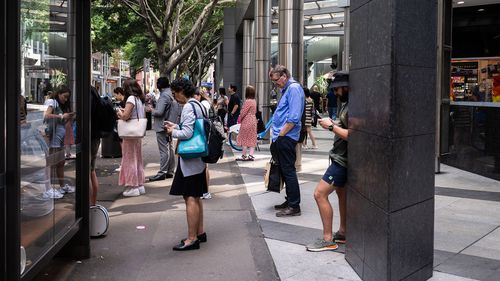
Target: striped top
[[309, 111]]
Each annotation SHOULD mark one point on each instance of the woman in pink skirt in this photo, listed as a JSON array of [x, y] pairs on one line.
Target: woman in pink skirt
[[247, 137], [132, 170]]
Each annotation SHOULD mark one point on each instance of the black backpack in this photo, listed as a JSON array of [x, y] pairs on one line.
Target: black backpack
[[104, 113], [214, 131], [260, 123]]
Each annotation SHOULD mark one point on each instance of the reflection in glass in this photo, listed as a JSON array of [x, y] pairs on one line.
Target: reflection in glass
[[47, 124]]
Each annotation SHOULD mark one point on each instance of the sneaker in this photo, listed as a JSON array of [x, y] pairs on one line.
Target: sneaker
[[142, 190], [314, 147], [282, 206], [131, 192], [321, 245], [53, 194], [118, 169], [206, 196], [67, 189]]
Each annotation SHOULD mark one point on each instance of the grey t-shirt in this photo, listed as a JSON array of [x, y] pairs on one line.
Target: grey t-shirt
[[338, 153]]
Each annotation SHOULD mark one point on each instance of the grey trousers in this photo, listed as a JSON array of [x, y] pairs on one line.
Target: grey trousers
[[167, 156]]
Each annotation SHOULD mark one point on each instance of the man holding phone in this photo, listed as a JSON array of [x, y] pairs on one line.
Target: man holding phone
[[335, 176]]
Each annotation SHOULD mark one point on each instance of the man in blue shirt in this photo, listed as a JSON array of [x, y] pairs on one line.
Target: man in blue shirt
[[285, 134]]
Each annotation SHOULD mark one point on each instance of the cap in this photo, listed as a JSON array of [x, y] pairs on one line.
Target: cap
[[341, 79]]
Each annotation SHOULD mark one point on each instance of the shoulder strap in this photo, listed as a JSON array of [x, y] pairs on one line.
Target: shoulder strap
[[201, 107]]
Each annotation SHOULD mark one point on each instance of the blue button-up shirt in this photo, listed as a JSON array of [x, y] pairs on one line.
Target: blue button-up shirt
[[289, 110]]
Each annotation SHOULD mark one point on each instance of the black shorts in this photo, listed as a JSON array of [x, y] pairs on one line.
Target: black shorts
[[336, 175]]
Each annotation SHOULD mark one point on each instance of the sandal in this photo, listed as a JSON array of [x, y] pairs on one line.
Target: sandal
[[250, 158], [242, 158], [339, 238]]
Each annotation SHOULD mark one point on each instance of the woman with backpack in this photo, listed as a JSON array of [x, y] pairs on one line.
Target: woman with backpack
[[132, 169], [201, 96], [247, 137], [190, 180]]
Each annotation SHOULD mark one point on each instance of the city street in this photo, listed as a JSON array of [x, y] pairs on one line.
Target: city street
[[246, 241]]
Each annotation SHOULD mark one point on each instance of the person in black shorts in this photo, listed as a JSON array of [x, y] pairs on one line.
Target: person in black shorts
[[335, 177]]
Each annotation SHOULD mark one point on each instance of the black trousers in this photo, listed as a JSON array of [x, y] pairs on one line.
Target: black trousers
[[283, 151]]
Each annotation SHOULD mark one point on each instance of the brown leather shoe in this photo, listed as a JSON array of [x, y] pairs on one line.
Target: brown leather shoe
[[289, 212]]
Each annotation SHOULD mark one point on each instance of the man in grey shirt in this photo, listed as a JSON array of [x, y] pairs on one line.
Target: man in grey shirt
[[167, 109]]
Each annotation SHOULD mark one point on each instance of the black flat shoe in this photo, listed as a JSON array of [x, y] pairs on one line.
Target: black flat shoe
[[169, 176], [183, 247], [202, 238], [158, 177]]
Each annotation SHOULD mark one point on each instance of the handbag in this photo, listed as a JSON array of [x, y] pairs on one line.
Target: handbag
[[272, 179], [133, 128], [197, 145]]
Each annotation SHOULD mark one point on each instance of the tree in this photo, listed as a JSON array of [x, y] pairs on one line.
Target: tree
[[173, 26]]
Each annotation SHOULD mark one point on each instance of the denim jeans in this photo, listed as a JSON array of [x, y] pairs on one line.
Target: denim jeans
[[283, 151]]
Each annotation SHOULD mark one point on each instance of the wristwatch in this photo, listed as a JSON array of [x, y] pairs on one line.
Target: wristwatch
[[330, 128]]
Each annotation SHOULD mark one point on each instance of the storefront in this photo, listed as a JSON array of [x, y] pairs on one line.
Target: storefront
[[473, 124], [45, 82]]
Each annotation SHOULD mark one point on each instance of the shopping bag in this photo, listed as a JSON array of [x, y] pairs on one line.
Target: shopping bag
[[272, 179]]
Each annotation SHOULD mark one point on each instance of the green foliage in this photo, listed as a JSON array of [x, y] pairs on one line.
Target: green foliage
[[322, 84], [58, 79]]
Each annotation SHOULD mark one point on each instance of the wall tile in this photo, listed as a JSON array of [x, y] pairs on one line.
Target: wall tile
[[376, 239], [414, 101], [355, 4], [415, 33], [411, 171], [371, 99], [380, 29], [411, 239], [359, 37]]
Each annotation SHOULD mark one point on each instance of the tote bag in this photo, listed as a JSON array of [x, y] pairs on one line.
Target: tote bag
[[197, 145], [134, 128]]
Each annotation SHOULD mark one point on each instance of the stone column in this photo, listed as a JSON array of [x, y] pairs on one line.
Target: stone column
[[291, 37], [392, 105], [262, 54], [248, 56]]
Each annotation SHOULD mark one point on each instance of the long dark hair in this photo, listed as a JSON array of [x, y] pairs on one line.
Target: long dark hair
[[65, 107], [132, 88]]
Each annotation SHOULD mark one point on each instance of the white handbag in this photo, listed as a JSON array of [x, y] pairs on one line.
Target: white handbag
[[133, 128]]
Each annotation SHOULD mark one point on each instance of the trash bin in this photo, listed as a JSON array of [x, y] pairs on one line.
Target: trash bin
[[110, 146]]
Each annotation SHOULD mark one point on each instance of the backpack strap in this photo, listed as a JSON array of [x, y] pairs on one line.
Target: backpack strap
[[201, 107]]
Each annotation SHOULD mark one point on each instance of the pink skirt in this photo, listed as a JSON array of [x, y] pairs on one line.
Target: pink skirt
[[132, 170]]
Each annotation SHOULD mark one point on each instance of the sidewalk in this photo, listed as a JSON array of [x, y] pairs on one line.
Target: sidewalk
[[246, 241], [467, 223], [235, 250]]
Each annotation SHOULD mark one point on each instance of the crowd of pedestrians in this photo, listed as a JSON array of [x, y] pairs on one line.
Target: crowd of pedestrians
[[175, 114]]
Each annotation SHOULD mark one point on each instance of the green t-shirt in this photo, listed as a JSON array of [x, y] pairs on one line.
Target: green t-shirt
[[338, 153]]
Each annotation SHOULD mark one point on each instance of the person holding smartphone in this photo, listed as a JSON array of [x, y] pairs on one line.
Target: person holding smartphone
[[335, 177]]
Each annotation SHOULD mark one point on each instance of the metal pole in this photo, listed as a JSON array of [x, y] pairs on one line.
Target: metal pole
[[291, 37], [262, 54], [248, 55]]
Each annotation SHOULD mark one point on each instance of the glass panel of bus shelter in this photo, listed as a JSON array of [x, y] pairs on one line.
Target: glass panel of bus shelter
[[47, 120]]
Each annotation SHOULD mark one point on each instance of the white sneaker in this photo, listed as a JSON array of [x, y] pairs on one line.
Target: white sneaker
[[142, 190], [53, 194], [67, 189], [131, 192], [118, 169], [206, 196]]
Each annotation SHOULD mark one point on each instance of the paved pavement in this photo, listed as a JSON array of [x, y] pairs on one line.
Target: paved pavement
[[246, 241]]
